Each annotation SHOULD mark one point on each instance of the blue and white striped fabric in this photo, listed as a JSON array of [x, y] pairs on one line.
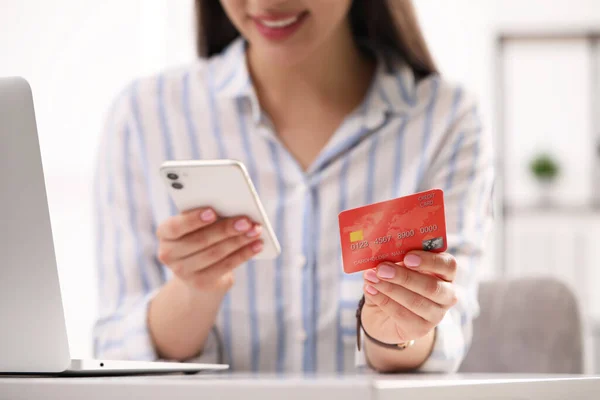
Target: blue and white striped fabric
[[296, 313]]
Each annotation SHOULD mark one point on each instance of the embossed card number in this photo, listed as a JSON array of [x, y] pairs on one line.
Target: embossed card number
[[386, 231]]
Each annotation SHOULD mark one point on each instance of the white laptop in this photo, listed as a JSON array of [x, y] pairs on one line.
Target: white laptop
[[33, 336]]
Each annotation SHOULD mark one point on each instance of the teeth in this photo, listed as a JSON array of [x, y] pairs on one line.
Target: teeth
[[282, 23]]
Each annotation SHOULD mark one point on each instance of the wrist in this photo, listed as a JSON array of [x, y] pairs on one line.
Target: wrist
[[180, 318], [193, 295], [386, 360], [399, 345]]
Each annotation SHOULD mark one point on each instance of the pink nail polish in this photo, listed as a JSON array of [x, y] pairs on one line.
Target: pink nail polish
[[386, 271], [257, 230], [412, 261], [241, 225], [207, 215], [371, 276], [371, 290], [257, 247]]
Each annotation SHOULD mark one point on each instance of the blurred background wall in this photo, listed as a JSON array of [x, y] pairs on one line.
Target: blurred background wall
[[78, 54]]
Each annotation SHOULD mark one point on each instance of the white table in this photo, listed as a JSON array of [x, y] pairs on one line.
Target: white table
[[289, 387]]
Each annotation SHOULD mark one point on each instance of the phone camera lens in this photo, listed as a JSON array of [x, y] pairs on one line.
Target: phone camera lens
[[177, 185], [172, 176]]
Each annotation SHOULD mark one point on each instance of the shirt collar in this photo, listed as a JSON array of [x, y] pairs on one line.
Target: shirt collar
[[230, 74], [231, 77], [392, 91]]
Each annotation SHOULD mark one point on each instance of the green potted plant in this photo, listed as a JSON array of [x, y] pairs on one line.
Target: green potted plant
[[545, 169]]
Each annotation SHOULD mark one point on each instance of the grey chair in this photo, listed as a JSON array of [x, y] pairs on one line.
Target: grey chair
[[526, 326]]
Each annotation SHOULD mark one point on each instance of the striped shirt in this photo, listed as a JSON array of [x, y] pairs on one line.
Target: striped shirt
[[294, 313]]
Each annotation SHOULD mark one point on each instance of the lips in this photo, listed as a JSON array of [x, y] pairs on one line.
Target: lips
[[278, 23], [279, 26]]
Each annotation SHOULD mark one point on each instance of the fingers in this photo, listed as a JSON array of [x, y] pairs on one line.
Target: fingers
[[432, 288], [210, 256], [414, 302], [172, 251], [403, 317], [415, 294], [440, 264], [204, 279], [184, 223]]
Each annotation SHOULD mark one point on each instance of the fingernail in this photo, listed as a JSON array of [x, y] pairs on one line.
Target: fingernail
[[371, 276], [257, 247], [207, 215], [412, 261], [255, 231], [386, 271], [242, 225], [371, 290]]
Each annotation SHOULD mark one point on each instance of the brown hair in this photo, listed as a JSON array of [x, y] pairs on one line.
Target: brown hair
[[388, 24]]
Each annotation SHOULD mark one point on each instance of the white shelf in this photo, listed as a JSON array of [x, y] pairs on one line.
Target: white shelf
[[552, 210]]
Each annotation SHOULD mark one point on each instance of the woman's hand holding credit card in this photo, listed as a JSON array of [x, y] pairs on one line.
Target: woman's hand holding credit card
[[400, 245]]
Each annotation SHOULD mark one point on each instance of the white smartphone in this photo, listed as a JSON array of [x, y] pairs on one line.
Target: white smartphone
[[223, 185]]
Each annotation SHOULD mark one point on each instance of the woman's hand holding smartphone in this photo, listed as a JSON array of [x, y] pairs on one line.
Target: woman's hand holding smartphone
[[220, 226], [203, 249]]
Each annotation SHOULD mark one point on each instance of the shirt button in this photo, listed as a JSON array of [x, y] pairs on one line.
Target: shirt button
[[301, 262], [301, 336]]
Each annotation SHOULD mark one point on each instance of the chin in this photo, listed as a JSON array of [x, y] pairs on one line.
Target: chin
[[285, 58], [283, 54]]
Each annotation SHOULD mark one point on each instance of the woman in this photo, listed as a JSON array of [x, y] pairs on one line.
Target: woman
[[331, 106]]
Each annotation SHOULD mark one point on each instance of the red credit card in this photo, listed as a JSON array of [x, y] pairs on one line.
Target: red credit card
[[388, 230]]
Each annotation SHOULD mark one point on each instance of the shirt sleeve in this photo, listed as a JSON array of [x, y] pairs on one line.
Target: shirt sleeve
[[128, 273], [464, 168]]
